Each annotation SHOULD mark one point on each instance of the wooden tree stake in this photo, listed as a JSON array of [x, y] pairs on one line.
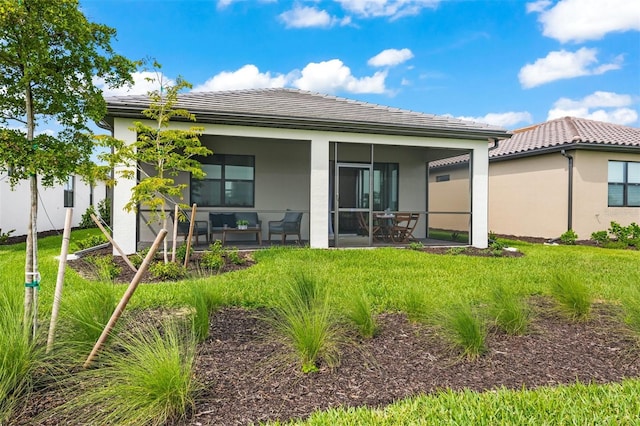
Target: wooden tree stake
[[191, 223], [113, 243], [175, 233]]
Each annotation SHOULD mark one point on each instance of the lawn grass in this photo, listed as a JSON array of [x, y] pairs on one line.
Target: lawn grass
[[386, 275]]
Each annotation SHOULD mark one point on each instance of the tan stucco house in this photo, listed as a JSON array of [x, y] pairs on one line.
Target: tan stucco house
[[568, 173], [339, 162]]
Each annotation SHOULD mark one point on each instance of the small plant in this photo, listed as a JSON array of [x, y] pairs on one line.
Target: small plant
[[234, 256], [212, 260], [167, 271], [509, 312], [4, 236], [466, 330], [181, 253], [361, 314], [454, 251], [106, 268], [204, 301], [91, 241], [627, 235], [85, 220], [138, 258], [600, 237], [569, 237], [148, 380], [303, 321], [416, 245], [415, 304], [572, 295], [242, 223]]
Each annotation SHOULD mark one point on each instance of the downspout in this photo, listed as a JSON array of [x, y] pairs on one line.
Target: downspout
[[570, 190]]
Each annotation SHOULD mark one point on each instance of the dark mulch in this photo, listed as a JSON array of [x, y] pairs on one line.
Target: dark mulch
[[245, 383]]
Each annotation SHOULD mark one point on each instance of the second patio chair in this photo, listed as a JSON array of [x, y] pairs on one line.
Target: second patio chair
[[289, 225]]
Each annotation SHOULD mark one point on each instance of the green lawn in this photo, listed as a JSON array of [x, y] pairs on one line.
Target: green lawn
[[386, 276]]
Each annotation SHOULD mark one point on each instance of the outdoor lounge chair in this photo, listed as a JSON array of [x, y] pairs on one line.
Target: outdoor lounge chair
[[200, 227], [289, 225]]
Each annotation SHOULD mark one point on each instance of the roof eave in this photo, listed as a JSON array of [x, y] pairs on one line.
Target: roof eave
[[273, 121], [588, 146]]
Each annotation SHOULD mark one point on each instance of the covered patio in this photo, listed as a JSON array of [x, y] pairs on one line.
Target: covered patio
[[350, 168]]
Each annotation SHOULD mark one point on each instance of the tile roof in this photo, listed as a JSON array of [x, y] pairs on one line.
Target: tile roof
[[561, 133], [292, 108]]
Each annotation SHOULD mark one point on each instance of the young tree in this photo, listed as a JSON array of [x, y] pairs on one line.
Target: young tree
[[167, 151], [50, 55]]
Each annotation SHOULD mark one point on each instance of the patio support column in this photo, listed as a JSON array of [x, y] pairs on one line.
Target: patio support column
[[319, 194], [480, 196], [124, 223]]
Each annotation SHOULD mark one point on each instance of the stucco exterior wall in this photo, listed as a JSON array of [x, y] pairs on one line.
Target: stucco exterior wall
[[15, 205], [528, 196], [450, 196], [590, 210]]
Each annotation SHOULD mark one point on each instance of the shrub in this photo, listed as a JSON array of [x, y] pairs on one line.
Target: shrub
[[600, 237], [91, 241], [138, 258], [4, 236], [510, 313], [234, 256], [572, 296], [181, 253], [359, 311], [625, 233], [569, 237], [212, 260], [104, 210], [466, 330], [303, 321], [19, 355], [149, 379], [167, 271], [456, 250], [416, 245], [86, 221]]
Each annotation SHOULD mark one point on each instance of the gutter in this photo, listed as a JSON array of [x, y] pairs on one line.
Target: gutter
[[570, 190]]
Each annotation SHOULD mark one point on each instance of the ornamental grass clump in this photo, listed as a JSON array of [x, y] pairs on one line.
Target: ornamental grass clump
[[146, 378], [304, 322], [572, 296], [465, 329], [509, 312], [360, 313], [19, 355], [204, 301]]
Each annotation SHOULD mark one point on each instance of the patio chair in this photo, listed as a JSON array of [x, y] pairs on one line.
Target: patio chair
[[364, 226], [200, 227], [289, 225], [404, 224]]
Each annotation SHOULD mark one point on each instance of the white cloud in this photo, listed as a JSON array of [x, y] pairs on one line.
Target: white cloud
[[387, 8], [562, 64], [143, 83], [331, 76], [602, 106], [247, 77], [580, 20], [503, 119], [307, 17], [538, 6], [390, 57]]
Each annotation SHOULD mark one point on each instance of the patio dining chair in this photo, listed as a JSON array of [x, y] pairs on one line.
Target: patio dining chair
[[200, 227], [289, 225], [363, 226], [404, 224]]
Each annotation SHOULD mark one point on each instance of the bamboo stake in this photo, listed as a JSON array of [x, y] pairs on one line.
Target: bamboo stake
[[125, 298], [60, 279], [113, 243], [191, 223], [175, 233]]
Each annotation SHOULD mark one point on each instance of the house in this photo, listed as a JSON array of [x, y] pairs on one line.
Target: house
[[340, 162], [15, 205], [568, 173]]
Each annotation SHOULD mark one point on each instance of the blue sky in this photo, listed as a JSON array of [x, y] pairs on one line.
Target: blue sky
[[510, 63]]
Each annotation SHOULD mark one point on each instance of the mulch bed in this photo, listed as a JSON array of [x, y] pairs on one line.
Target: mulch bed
[[245, 382]]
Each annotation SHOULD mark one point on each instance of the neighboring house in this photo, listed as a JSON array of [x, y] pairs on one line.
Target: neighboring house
[[280, 149], [568, 173], [15, 205]]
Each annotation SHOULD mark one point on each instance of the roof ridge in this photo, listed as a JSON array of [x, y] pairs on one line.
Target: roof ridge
[[576, 133]]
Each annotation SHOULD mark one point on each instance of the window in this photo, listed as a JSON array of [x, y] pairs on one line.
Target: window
[[229, 181], [443, 178], [385, 186], [624, 184], [69, 186]]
